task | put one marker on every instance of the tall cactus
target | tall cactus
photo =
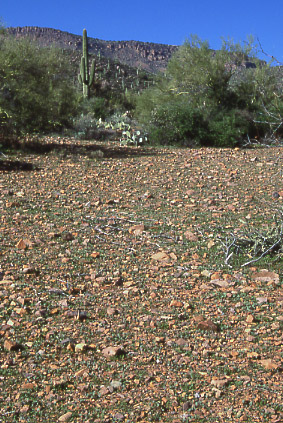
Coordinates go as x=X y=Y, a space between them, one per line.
x=85 y=78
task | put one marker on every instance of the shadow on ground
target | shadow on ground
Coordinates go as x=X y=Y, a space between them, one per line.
x=14 y=165
x=67 y=147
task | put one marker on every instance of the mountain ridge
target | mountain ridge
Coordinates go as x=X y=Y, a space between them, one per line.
x=151 y=57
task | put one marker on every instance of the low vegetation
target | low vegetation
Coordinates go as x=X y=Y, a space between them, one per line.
x=131 y=289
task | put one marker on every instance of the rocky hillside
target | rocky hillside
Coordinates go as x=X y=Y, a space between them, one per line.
x=151 y=57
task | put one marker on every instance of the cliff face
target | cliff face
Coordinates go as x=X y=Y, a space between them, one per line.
x=151 y=57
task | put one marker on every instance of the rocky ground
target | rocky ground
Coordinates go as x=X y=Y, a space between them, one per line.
x=119 y=298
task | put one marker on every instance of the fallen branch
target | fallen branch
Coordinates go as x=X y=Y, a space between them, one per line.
x=263 y=254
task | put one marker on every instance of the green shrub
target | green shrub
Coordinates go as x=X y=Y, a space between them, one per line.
x=94 y=106
x=227 y=129
x=37 y=93
x=85 y=127
x=210 y=97
x=177 y=123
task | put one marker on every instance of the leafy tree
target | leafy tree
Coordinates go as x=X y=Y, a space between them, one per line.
x=231 y=99
x=37 y=92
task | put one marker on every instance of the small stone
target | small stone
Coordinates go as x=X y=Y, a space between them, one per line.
x=81 y=315
x=29 y=270
x=28 y=385
x=112 y=311
x=253 y=355
x=266 y=276
x=208 y=325
x=22 y=301
x=250 y=318
x=160 y=339
x=65 y=417
x=275 y=195
x=21 y=245
x=220 y=283
x=136 y=229
x=160 y=256
x=63 y=303
x=120 y=417
x=198 y=318
x=83 y=387
x=68 y=236
x=113 y=351
x=181 y=342
x=186 y=406
x=24 y=409
x=190 y=236
x=104 y=390
x=12 y=346
x=101 y=280
x=82 y=373
x=116 y=384
x=215 y=275
x=82 y=347
x=206 y=273
x=269 y=364
x=261 y=300
x=56 y=291
x=176 y=303
x=219 y=383
x=70 y=313
x=41 y=312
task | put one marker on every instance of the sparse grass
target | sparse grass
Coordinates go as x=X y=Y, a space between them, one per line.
x=150 y=307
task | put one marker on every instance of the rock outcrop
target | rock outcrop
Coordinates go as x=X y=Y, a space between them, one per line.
x=151 y=57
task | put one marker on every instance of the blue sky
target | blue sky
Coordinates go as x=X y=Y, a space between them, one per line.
x=160 y=21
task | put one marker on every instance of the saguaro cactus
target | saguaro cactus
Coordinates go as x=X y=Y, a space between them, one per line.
x=86 y=78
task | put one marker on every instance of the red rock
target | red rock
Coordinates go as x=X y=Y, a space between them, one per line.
x=176 y=303
x=65 y=417
x=136 y=229
x=21 y=245
x=207 y=325
x=266 y=276
x=160 y=256
x=12 y=346
x=269 y=364
x=28 y=385
x=190 y=236
x=250 y=318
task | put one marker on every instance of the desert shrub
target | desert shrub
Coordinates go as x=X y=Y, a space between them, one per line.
x=94 y=106
x=177 y=122
x=211 y=96
x=227 y=129
x=85 y=126
x=37 y=93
